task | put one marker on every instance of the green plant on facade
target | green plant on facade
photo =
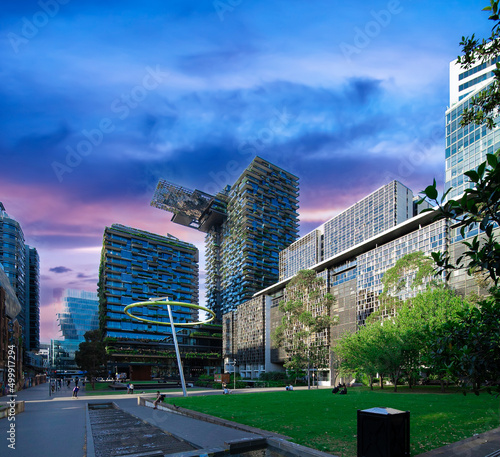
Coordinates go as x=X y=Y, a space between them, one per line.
x=412 y=271
x=304 y=332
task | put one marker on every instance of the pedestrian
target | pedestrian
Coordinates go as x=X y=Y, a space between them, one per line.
x=75 y=391
x=128 y=387
x=131 y=388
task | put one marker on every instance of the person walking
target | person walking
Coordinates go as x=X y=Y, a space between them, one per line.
x=75 y=391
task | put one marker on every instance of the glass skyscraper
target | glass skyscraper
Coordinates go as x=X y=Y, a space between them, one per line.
x=22 y=266
x=32 y=315
x=80 y=314
x=466 y=147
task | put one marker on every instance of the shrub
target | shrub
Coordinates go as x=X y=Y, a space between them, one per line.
x=273 y=376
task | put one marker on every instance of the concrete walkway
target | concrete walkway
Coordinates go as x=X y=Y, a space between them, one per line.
x=483 y=445
x=55 y=425
x=50 y=425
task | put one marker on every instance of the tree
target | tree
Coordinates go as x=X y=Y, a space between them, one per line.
x=91 y=355
x=402 y=343
x=304 y=332
x=359 y=353
x=419 y=319
x=470 y=346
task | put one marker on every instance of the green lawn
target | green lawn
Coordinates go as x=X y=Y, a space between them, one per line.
x=327 y=422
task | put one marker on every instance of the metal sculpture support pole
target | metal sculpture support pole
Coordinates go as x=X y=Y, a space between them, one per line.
x=174 y=336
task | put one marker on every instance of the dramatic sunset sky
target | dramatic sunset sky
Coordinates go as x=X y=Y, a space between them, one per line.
x=101 y=99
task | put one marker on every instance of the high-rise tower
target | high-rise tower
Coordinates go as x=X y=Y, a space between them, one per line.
x=466 y=147
x=137 y=265
x=32 y=315
x=22 y=266
x=247 y=225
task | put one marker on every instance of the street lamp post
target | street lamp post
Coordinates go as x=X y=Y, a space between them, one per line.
x=233 y=363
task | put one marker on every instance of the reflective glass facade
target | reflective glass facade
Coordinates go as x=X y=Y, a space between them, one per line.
x=379 y=211
x=80 y=314
x=13 y=258
x=21 y=264
x=466 y=147
x=138 y=265
x=300 y=255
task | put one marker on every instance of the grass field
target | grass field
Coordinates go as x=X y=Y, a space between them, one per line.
x=327 y=422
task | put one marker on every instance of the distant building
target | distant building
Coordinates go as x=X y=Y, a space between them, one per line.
x=247 y=225
x=10 y=331
x=32 y=314
x=80 y=314
x=22 y=266
x=13 y=258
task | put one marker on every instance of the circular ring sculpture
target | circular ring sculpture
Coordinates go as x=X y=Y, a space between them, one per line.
x=156 y=304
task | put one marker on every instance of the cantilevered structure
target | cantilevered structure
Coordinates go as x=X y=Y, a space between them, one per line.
x=247 y=225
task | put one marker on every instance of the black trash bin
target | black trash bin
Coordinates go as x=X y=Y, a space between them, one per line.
x=383 y=432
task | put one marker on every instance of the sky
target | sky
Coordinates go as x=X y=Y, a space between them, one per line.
x=99 y=100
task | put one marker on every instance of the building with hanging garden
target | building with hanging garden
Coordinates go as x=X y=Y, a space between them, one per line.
x=137 y=265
